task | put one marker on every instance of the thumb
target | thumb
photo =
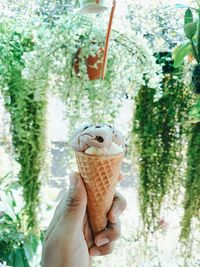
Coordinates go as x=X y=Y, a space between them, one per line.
x=75 y=205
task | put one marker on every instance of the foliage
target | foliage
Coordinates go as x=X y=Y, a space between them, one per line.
x=158 y=21
x=191 y=48
x=192 y=202
x=159 y=130
x=16 y=248
x=27 y=106
x=194 y=113
x=53 y=60
x=48 y=9
x=51 y=10
x=192 y=33
x=40 y=55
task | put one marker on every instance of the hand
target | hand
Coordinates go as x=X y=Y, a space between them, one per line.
x=68 y=241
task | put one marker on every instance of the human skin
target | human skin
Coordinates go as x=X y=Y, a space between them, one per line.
x=69 y=241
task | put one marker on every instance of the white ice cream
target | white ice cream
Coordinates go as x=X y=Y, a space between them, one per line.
x=98 y=139
x=112 y=150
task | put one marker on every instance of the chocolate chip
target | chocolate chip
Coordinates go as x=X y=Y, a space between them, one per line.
x=86 y=127
x=100 y=139
x=98 y=126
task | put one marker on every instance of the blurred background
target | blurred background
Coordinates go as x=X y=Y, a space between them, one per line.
x=49 y=86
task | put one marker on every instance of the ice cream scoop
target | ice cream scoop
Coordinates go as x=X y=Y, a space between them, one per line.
x=100 y=139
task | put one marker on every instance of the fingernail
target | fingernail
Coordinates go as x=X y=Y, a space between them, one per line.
x=102 y=242
x=73 y=180
x=95 y=252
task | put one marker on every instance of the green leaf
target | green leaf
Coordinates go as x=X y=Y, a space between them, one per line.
x=10 y=258
x=30 y=246
x=194 y=113
x=6 y=205
x=190 y=29
x=18 y=258
x=188 y=17
x=180 y=52
x=28 y=250
x=34 y=242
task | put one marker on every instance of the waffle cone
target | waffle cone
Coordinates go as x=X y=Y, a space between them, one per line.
x=100 y=175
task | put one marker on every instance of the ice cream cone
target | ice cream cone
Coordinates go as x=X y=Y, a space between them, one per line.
x=100 y=175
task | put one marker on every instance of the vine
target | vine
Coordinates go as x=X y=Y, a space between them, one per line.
x=159 y=129
x=27 y=107
x=30 y=65
x=192 y=201
x=54 y=56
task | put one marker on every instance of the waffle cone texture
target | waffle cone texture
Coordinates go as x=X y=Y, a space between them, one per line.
x=100 y=175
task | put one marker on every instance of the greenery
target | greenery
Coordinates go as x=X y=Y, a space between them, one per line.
x=40 y=56
x=40 y=45
x=53 y=59
x=16 y=248
x=161 y=23
x=192 y=203
x=192 y=46
x=194 y=113
x=27 y=107
x=158 y=124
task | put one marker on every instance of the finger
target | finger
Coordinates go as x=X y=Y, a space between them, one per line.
x=119 y=205
x=101 y=251
x=110 y=234
x=87 y=232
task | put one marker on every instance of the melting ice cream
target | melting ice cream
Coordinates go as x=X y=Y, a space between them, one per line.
x=100 y=139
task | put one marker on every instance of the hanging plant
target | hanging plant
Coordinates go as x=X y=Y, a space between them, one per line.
x=94 y=64
x=86 y=99
x=192 y=200
x=27 y=107
x=158 y=126
x=192 y=48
